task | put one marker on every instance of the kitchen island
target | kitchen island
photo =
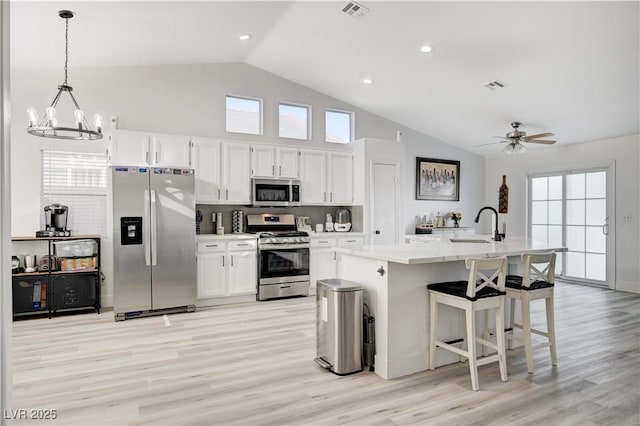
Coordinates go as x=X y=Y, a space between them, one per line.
x=395 y=277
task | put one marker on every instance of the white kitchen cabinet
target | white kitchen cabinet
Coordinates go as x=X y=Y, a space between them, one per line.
x=242 y=272
x=322 y=262
x=222 y=172
x=340 y=177
x=226 y=267
x=170 y=151
x=270 y=161
x=313 y=176
x=127 y=148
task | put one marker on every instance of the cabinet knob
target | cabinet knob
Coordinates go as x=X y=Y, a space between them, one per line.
x=377 y=232
x=381 y=271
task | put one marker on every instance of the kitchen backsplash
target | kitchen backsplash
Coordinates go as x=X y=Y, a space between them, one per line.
x=316 y=213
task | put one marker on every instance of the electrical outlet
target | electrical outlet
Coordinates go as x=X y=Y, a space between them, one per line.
x=626 y=218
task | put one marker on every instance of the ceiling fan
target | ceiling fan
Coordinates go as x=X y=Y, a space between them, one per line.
x=515 y=139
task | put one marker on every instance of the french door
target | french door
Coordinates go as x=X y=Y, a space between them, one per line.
x=572 y=208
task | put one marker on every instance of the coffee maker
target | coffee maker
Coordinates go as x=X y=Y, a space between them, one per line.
x=55 y=216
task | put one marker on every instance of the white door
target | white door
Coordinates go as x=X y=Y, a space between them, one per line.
x=236 y=174
x=211 y=275
x=384 y=203
x=322 y=264
x=242 y=272
x=263 y=161
x=340 y=178
x=128 y=149
x=170 y=151
x=287 y=162
x=206 y=162
x=313 y=177
x=573 y=208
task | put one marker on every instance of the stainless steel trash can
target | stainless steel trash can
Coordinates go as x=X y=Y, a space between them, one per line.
x=339 y=326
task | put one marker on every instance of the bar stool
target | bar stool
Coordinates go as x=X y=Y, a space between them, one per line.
x=536 y=283
x=478 y=293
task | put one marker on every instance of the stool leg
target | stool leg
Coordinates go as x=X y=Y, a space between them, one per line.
x=551 y=329
x=512 y=319
x=433 y=318
x=526 y=331
x=500 y=340
x=471 y=339
x=485 y=331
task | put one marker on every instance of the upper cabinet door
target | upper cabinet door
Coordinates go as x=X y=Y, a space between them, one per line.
x=340 y=177
x=206 y=162
x=313 y=177
x=128 y=149
x=263 y=161
x=170 y=151
x=236 y=173
x=287 y=162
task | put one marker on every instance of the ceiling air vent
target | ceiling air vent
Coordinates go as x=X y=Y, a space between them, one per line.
x=495 y=84
x=354 y=9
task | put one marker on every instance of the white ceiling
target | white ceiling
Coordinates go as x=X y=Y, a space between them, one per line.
x=571 y=68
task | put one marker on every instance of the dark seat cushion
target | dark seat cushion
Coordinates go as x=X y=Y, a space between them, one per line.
x=515 y=282
x=459 y=289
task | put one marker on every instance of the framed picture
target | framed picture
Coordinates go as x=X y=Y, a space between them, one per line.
x=437 y=179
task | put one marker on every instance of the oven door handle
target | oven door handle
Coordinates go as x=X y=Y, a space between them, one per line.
x=282 y=246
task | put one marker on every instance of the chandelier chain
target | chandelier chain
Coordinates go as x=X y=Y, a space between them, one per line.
x=66 y=50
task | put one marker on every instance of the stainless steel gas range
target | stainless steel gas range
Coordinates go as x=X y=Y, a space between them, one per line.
x=283 y=256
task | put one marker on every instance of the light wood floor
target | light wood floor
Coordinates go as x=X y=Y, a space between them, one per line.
x=252 y=364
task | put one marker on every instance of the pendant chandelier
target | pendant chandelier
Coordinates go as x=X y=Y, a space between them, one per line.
x=47 y=126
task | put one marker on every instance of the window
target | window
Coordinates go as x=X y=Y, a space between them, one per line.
x=244 y=115
x=294 y=121
x=338 y=126
x=79 y=181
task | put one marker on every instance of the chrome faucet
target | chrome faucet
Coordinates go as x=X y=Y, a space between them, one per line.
x=497 y=236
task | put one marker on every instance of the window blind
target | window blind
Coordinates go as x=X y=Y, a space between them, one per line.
x=77 y=180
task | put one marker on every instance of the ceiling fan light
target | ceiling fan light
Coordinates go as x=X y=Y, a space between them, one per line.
x=519 y=149
x=509 y=149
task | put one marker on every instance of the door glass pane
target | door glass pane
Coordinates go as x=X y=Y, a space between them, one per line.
x=539 y=212
x=555 y=188
x=575 y=212
x=555 y=212
x=596 y=185
x=596 y=240
x=596 y=212
x=575 y=186
x=539 y=233
x=596 y=267
x=539 y=188
x=575 y=238
x=555 y=235
x=575 y=264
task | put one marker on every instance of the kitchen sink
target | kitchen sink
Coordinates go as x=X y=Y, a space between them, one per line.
x=467 y=240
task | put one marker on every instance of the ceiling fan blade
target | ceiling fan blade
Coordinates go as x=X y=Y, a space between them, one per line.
x=538 y=136
x=490 y=143
x=542 y=141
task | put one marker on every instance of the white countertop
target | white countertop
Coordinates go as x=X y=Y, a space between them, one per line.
x=446 y=251
x=209 y=237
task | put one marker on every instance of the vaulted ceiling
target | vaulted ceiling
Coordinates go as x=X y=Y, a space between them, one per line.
x=571 y=68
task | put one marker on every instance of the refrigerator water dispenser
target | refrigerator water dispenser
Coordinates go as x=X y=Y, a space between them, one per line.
x=130 y=231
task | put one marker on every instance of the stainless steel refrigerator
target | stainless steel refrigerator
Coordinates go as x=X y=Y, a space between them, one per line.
x=153 y=212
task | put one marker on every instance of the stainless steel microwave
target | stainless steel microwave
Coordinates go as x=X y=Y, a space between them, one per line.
x=275 y=192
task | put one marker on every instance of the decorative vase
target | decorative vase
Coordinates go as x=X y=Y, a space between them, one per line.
x=455 y=224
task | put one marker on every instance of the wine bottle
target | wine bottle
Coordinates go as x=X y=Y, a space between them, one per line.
x=503 y=196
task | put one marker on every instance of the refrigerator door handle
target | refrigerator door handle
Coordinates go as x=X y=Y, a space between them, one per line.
x=147 y=243
x=154 y=229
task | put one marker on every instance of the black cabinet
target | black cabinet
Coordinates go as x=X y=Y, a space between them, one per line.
x=73 y=284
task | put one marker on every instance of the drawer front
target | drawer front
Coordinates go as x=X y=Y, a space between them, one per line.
x=210 y=246
x=355 y=241
x=323 y=242
x=242 y=245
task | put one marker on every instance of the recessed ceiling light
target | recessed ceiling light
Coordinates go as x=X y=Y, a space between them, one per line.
x=367 y=81
x=426 y=49
x=245 y=37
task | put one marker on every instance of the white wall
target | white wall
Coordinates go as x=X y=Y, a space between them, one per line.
x=190 y=100
x=624 y=151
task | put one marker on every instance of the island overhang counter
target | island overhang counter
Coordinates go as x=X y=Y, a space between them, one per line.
x=394 y=278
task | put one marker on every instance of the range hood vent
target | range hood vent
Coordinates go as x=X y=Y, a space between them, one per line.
x=355 y=10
